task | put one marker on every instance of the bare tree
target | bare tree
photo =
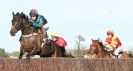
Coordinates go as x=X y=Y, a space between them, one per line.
x=80 y=39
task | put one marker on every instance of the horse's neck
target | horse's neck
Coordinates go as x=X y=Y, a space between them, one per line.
x=27 y=30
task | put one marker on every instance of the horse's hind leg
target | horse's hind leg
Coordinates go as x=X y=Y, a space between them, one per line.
x=57 y=52
x=54 y=54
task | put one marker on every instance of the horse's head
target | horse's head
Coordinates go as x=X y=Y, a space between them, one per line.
x=17 y=22
x=95 y=47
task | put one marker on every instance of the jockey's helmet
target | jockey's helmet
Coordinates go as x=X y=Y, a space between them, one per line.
x=110 y=32
x=55 y=34
x=33 y=13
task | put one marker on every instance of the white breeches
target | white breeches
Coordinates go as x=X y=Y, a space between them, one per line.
x=119 y=49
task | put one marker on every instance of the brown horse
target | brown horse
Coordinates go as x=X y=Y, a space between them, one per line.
x=31 y=41
x=50 y=49
x=97 y=47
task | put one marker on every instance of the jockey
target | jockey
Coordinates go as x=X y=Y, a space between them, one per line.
x=113 y=43
x=37 y=21
x=60 y=42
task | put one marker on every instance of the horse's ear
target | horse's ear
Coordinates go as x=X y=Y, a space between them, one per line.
x=22 y=12
x=99 y=39
x=92 y=39
x=13 y=13
x=17 y=13
x=46 y=28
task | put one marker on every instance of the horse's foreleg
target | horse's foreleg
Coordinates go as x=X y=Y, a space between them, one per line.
x=111 y=55
x=27 y=56
x=21 y=53
x=30 y=53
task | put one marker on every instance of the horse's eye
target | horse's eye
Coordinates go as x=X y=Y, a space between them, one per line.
x=12 y=22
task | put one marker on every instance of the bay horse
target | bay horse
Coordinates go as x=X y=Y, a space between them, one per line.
x=31 y=41
x=97 y=47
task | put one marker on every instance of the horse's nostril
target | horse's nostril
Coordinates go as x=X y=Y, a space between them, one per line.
x=12 y=34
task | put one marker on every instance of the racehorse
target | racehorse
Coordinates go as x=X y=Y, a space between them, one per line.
x=30 y=40
x=97 y=47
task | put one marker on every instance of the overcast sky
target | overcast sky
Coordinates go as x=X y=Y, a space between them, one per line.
x=90 y=18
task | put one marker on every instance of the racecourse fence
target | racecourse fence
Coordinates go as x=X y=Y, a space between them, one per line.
x=66 y=64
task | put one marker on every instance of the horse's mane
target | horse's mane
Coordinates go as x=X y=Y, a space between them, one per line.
x=17 y=14
x=100 y=43
x=22 y=15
